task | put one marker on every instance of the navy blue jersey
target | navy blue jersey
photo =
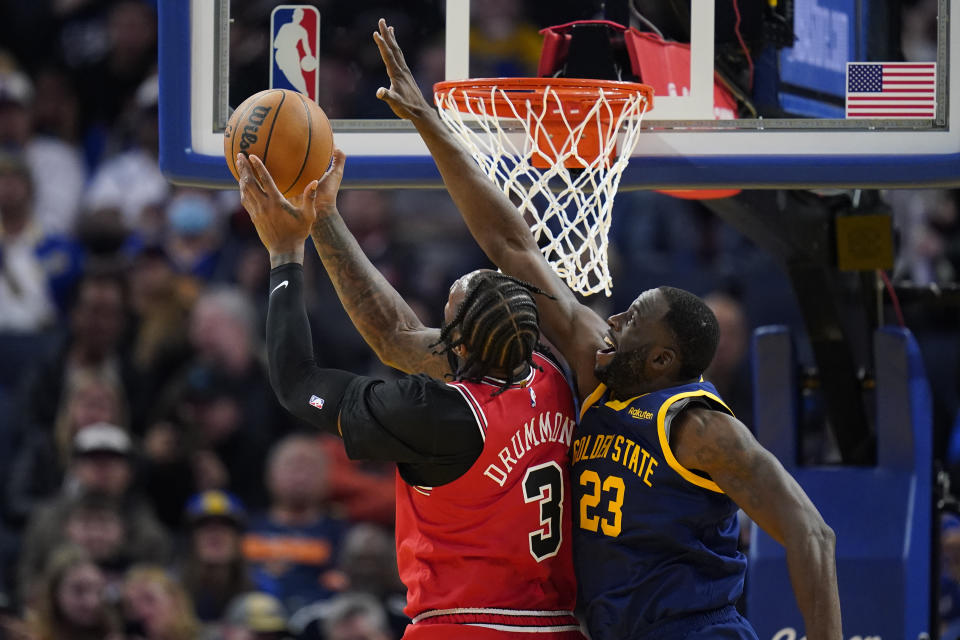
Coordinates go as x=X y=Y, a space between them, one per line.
x=653 y=541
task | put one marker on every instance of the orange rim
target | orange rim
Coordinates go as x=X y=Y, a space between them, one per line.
x=509 y=94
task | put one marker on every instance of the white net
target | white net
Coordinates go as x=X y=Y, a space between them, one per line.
x=567 y=199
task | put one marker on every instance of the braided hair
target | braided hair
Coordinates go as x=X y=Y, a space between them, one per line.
x=498 y=323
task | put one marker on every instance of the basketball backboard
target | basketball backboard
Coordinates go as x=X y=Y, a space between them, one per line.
x=801 y=131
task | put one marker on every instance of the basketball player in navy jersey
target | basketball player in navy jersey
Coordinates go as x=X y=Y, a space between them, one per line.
x=483 y=493
x=660 y=465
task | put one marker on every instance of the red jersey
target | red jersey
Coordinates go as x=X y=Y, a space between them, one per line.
x=491 y=550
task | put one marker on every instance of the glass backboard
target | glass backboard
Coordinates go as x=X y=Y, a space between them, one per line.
x=750 y=93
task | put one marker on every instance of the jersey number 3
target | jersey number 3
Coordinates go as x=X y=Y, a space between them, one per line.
x=544 y=484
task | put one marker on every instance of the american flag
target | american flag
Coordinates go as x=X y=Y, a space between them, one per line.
x=891 y=89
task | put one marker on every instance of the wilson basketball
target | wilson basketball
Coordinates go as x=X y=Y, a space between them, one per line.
x=287 y=131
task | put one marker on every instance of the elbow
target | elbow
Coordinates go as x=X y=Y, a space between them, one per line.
x=281 y=391
x=516 y=244
x=819 y=536
x=810 y=535
x=827 y=537
x=284 y=382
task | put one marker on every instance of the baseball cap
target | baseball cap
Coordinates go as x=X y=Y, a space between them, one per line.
x=102 y=437
x=215 y=504
x=16 y=88
x=257 y=612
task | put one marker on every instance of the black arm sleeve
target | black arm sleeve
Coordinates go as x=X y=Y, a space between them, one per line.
x=421 y=423
x=424 y=425
x=305 y=390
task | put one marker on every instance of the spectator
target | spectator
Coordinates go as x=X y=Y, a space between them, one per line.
x=157 y=607
x=101 y=465
x=36 y=269
x=12 y=626
x=949 y=577
x=730 y=370
x=132 y=181
x=97 y=321
x=919 y=215
x=215 y=570
x=225 y=338
x=72 y=604
x=112 y=79
x=160 y=300
x=38 y=469
x=227 y=449
x=368 y=562
x=204 y=439
x=95 y=523
x=193 y=235
x=294 y=543
x=255 y=616
x=355 y=616
x=56 y=203
x=56 y=109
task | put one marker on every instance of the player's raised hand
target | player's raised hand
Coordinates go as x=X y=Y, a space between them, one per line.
x=283 y=225
x=403 y=96
x=325 y=202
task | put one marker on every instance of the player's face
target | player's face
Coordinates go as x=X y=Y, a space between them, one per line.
x=635 y=336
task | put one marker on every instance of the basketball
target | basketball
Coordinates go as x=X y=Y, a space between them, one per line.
x=287 y=131
x=309 y=63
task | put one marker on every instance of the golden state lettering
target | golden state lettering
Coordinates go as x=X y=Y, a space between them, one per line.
x=544 y=428
x=640 y=414
x=257 y=115
x=618 y=449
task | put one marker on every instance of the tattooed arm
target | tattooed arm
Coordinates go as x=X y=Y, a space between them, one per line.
x=383 y=318
x=753 y=478
x=385 y=321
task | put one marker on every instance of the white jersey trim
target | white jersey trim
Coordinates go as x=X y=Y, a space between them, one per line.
x=553 y=364
x=498 y=382
x=478 y=414
x=497 y=612
x=519 y=629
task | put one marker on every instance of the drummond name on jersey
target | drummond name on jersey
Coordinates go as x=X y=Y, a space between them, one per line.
x=541 y=429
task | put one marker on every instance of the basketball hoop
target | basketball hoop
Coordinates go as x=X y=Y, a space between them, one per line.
x=560 y=143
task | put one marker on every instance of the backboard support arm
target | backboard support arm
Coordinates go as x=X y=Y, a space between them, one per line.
x=797 y=228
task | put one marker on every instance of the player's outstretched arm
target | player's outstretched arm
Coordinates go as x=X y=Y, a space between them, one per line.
x=384 y=319
x=380 y=314
x=752 y=477
x=492 y=219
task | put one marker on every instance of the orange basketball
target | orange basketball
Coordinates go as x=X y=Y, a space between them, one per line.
x=285 y=129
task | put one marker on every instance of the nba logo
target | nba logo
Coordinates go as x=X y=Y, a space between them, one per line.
x=295 y=45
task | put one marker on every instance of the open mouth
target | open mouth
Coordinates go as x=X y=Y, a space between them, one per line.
x=605 y=356
x=611 y=345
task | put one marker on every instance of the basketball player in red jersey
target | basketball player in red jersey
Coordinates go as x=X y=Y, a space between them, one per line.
x=483 y=495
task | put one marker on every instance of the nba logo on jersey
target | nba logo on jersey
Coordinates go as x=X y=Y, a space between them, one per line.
x=295 y=30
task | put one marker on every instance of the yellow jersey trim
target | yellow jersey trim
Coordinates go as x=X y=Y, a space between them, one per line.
x=685 y=473
x=592 y=398
x=620 y=405
x=616 y=405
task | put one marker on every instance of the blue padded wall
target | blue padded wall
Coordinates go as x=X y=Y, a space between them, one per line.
x=881 y=515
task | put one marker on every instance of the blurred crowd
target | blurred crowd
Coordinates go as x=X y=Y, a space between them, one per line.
x=152 y=487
